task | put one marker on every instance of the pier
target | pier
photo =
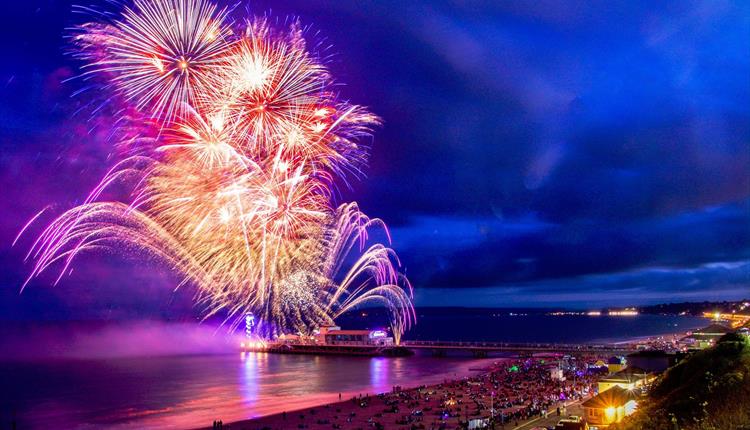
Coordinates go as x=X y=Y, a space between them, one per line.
x=322 y=349
x=438 y=348
x=481 y=349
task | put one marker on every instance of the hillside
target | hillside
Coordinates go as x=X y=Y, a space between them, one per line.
x=708 y=390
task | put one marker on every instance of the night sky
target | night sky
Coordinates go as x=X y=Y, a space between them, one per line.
x=541 y=153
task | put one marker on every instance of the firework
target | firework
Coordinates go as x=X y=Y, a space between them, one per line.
x=235 y=192
x=161 y=54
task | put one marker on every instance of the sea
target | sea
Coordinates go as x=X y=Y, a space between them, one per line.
x=162 y=375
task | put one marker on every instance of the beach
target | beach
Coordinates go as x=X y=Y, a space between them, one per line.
x=512 y=391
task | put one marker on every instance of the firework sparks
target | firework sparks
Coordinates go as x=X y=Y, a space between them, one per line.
x=161 y=54
x=235 y=192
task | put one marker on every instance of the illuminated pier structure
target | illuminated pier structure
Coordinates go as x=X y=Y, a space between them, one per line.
x=333 y=340
x=364 y=342
x=482 y=349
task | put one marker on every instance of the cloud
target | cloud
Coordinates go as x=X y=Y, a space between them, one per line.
x=480 y=252
x=712 y=281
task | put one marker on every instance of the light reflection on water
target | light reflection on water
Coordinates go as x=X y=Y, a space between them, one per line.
x=192 y=391
x=378 y=375
x=250 y=378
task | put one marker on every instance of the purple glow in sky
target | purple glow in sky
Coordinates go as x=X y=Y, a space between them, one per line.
x=531 y=155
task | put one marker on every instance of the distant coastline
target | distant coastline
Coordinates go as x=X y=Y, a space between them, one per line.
x=679 y=308
x=530 y=325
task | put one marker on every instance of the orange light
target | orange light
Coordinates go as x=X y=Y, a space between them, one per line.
x=610 y=412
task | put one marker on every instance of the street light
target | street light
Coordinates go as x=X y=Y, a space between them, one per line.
x=492 y=405
x=609 y=412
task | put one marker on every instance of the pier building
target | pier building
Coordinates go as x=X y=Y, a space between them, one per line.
x=333 y=335
x=609 y=407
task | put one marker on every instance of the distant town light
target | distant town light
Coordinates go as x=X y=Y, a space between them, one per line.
x=624 y=313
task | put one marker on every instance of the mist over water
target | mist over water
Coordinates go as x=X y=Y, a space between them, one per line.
x=94 y=340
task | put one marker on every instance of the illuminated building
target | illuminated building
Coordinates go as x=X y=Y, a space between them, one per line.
x=706 y=336
x=629 y=379
x=609 y=407
x=333 y=335
x=615 y=364
x=598 y=364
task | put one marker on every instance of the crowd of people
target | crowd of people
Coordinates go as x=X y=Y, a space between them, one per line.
x=510 y=392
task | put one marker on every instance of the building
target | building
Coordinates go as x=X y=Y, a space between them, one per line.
x=333 y=335
x=599 y=367
x=615 y=364
x=290 y=338
x=609 y=407
x=629 y=378
x=706 y=336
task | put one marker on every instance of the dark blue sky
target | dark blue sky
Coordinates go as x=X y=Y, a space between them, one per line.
x=532 y=153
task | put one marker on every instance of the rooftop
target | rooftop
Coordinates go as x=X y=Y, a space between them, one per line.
x=630 y=373
x=615 y=396
x=711 y=332
x=713 y=329
x=349 y=332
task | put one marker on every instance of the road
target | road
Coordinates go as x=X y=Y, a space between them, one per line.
x=552 y=419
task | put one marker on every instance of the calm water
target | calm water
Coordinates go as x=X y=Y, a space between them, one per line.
x=487 y=325
x=192 y=390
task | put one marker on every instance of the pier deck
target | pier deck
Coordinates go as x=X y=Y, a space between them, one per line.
x=518 y=347
x=479 y=349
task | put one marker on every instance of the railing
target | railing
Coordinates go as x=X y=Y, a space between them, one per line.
x=511 y=345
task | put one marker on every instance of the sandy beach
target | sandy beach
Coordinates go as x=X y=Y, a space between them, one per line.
x=512 y=391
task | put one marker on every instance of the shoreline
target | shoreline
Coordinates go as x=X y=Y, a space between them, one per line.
x=444 y=405
x=323 y=411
